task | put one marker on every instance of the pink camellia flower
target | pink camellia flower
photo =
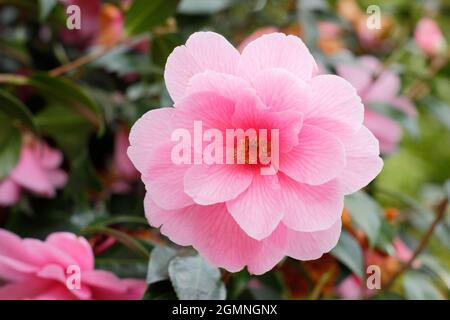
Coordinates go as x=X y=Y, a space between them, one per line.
x=37 y=171
x=234 y=215
x=428 y=37
x=46 y=270
x=376 y=85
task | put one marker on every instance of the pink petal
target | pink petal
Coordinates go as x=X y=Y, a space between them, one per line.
x=31 y=175
x=147 y=134
x=404 y=104
x=276 y=50
x=335 y=99
x=383 y=89
x=359 y=76
x=257 y=210
x=213 y=232
x=319 y=157
x=203 y=51
x=280 y=90
x=9 y=192
x=310 y=208
x=255 y=35
x=312 y=245
x=77 y=247
x=163 y=179
x=387 y=131
x=225 y=85
x=209 y=184
x=212 y=109
x=107 y=286
x=363 y=162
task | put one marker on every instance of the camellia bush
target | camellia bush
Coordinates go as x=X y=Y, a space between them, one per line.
x=193 y=149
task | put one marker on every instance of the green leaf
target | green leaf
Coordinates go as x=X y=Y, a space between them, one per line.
x=349 y=253
x=66 y=126
x=194 y=279
x=366 y=213
x=418 y=286
x=195 y=7
x=143 y=15
x=15 y=109
x=10 y=142
x=45 y=8
x=162 y=46
x=67 y=93
x=159 y=264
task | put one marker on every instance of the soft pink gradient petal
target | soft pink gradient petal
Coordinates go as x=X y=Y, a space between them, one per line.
x=35 y=269
x=223 y=84
x=280 y=90
x=356 y=74
x=29 y=174
x=319 y=157
x=363 y=161
x=203 y=51
x=312 y=245
x=255 y=35
x=164 y=180
x=147 y=134
x=9 y=192
x=210 y=184
x=276 y=50
x=336 y=99
x=383 y=89
x=257 y=210
x=78 y=247
x=213 y=232
x=310 y=208
x=385 y=129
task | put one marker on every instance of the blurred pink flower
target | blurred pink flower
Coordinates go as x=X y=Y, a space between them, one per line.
x=124 y=169
x=35 y=269
x=90 y=13
x=230 y=213
x=377 y=85
x=428 y=36
x=37 y=171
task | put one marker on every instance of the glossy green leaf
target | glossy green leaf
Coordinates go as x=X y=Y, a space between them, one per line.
x=418 y=286
x=10 y=142
x=15 y=109
x=159 y=264
x=349 y=253
x=65 y=92
x=365 y=213
x=194 y=279
x=143 y=15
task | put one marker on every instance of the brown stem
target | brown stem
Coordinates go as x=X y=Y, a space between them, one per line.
x=440 y=212
x=82 y=60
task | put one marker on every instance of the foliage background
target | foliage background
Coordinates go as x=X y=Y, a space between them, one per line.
x=81 y=109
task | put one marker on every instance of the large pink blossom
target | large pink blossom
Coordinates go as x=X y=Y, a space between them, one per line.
x=377 y=85
x=428 y=36
x=34 y=269
x=38 y=171
x=231 y=214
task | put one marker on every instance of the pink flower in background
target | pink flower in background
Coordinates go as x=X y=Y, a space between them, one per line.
x=124 y=169
x=376 y=85
x=36 y=171
x=230 y=213
x=90 y=13
x=428 y=37
x=35 y=269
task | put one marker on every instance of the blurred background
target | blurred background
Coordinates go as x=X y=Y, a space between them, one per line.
x=72 y=86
